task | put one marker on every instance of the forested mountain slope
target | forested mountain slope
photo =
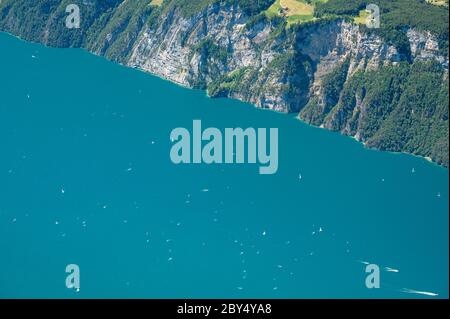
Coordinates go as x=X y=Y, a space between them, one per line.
x=386 y=87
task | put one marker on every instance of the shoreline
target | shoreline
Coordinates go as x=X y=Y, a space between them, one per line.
x=139 y=69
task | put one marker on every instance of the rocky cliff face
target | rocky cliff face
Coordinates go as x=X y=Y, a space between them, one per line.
x=345 y=46
x=195 y=51
x=309 y=70
x=358 y=90
x=200 y=50
x=424 y=46
x=332 y=73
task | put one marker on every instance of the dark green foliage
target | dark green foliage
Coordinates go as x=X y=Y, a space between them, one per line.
x=210 y=50
x=192 y=7
x=226 y=85
x=45 y=20
x=418 y=123
x=299 y=72
x=340 y=7
x=276 y=21
x=315 y=111
x=397 y=108
x=12 y=15
x=188 y=7
x=402 y=108
x=120 y=31
x=213 y=59
x=378 y=92
x=334 y=82
x=253 y=7
x=295 y=71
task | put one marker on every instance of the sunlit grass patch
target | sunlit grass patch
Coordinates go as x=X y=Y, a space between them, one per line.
x=295 y=11
x=362 y=17
x=274 y=9
x=443 y=3
x=156 y=3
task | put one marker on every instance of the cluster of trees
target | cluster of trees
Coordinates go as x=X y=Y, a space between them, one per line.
x=51 y=15
x=253 y=7
x=315 y=111
x=418 y=123
x=190 y=7
x=397 y=108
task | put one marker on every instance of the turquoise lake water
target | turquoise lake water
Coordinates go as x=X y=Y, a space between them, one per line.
x=86 y=179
